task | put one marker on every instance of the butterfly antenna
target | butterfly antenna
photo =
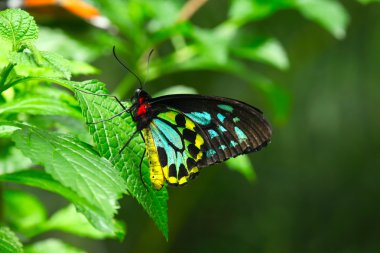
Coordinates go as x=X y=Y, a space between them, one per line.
x=147 y=68
x=125 y=66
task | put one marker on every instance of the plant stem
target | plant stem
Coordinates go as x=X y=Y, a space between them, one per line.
x=4 y=75
x=189 y=9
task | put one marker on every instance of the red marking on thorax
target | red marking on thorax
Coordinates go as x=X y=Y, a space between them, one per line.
x=141 y=110
x=143 y=106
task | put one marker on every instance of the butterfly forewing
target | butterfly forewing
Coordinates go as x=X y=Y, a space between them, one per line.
x=228 y=127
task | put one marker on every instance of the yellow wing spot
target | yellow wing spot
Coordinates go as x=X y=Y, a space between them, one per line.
x=199 y=156
x=182 y=181
x=199 y=141
x=194 y=170
x=172 y=180
x=166 y=171
x=189 y=124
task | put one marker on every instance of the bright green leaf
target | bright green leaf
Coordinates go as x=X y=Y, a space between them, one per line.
x=18 y=27
x=57 y=40
x=23 y=210
x=52 y=245
x=7 y=131
x=39 y=106
x=264 y=50
x=110 y=136
x=44 y=181
x=328 y=13
x=9 y=243
x=41 y=64
x=69 y=220
x=214 y=44
x=76 y=166
x=82 y=68
x=243 y=11
x=243 y=165
x=12 y=160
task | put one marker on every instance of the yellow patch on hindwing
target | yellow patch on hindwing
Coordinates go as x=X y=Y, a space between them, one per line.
x=189 y=124
x=156 y=171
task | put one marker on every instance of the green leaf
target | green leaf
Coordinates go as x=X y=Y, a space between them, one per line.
x=7 y=131
x=77 y=167
x=40 y=64
x=328 y=13
x=70 y=221
x=243 y=11
x=44 y=181
x=9 y=243
x=39 y=106
x=243 y=165
x=214 y=44
x=52 y=245
x=368 y=1
x=82 y=68
x=12 y=160
x=57 y=40
x=110 y=136
x=18 y=27
x=177 y=89
x=23 y=210
x=264 y=50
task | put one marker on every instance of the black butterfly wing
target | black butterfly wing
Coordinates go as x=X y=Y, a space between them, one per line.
x=229 y=127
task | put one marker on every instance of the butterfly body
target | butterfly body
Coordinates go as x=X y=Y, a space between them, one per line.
x=184 y=133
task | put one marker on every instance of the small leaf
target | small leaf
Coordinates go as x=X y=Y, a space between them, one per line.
x=82 y=68
x=329 y=14
x=9 y=243
x=214 y=44
x=76 y=166
x=45 y=64
x=110 y=136
x=23 y=210
x=18 y=27
x=243 y=11
x=265 y=50
x=243 y=165
x=70 y=221
x=7 y=131
x=52 y=245
x=12 y=160
x=39 y=106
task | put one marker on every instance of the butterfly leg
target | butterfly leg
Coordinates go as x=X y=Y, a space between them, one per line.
x=114 y=116
x=107 y=95
x=125 y=145
x=140 y=168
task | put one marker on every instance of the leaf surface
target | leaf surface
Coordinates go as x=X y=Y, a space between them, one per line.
x=9 y=243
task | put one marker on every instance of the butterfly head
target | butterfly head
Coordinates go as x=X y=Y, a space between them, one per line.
x=140 y=96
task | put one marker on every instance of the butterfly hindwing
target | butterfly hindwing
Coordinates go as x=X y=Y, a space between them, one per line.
x=174 y=148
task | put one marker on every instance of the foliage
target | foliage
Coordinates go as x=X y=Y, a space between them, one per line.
x=44 y=142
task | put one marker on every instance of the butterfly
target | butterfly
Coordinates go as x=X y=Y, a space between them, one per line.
x=186 y=132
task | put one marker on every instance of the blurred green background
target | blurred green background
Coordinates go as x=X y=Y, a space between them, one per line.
x=316 y=186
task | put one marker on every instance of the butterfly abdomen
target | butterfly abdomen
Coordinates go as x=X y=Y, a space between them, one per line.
x=156 y=171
